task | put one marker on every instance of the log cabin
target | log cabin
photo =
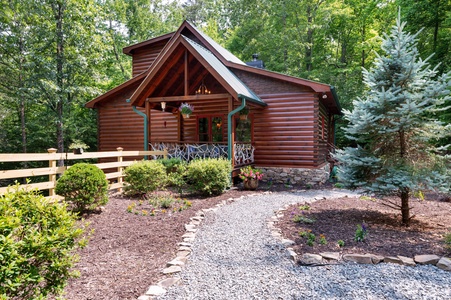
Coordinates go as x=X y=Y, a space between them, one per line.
x=242 y=112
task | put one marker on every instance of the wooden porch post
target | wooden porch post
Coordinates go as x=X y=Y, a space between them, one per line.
x=149 y=122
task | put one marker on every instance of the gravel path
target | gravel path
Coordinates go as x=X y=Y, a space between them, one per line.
x=235 y=257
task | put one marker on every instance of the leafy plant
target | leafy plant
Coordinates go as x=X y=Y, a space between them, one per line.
x=176 y=172
x=340 y=243
x=209 y=176
x=144 y=176
x=244 y=111
x=304 y=207
x=303 y=219
x=77 y=144
x=447 y=240
x=322 y=239
x=37 y=240
x=248 y=172
x=311 y=239
x=84 y=185
x=360 y=233
x=186 y=109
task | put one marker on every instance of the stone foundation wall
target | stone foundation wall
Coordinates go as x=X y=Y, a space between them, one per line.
x=296 y=175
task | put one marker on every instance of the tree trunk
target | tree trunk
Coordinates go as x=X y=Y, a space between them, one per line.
x=405 y=208
x=309 y=44
x=59 y=13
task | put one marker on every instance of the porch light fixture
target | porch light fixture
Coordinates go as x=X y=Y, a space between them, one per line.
x=163 y=105
x=324 y=95
x=203 y=89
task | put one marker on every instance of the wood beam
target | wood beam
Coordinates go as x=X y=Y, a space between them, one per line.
x=187 y=98
x=185 y=92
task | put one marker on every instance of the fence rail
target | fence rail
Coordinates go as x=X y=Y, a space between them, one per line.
x=52 y=170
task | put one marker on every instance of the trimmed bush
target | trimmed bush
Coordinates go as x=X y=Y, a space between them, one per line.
x=84 y=185
x=176 y=171
x=209 y=176
x=144 y=176
x=447 y=240
x=37 y=240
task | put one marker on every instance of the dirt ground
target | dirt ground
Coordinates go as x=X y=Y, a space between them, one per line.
x=129 y=246
x=338 y=219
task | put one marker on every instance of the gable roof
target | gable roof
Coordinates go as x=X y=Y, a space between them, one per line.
x=220 y=61
x=217 y=69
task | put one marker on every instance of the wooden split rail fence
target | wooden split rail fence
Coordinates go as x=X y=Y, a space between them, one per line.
x=116 y=177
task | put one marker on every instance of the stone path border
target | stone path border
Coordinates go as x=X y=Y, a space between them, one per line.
x=175 y=266
x=326 y=258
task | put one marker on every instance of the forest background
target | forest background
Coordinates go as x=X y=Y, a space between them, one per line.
x=56 y=55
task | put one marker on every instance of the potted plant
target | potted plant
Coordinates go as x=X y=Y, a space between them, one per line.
x=78 y=146
x=243 y=113
x=186 y=110
x=250 y=177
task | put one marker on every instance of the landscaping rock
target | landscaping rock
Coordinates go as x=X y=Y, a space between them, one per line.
x=183 y=253
x=376 y=259
x=172 y=270
x=427 y=259
x=176 y=262
x=444 y=263
x=331 y=255
x=168 y=282
x=189 y=227
x=155 y=290
x=393 y=260
x=189 y=235
x=144 y=297
x=287 y=242
x=291 y=254
x=310 y=259
x=359 y=258
x=407 y=261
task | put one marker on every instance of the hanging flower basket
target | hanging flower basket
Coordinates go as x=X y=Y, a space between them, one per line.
x=243 y=117
x=243 y=113
x=186 y=110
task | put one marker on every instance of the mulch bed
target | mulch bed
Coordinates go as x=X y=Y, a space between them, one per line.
x=129 y=247
x=337 y=219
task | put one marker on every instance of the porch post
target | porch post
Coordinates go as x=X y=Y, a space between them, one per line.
x=230 y=135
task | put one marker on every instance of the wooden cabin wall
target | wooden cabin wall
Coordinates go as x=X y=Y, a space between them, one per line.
x=323 y=133
x=118 y=125
x=163 y=126
x=143 y=58
x=285 y=131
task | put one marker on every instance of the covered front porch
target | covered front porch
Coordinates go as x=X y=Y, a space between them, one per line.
x=242 y=153
x=189 y=74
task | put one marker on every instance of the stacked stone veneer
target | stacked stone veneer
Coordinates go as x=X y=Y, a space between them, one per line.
x=297 y=175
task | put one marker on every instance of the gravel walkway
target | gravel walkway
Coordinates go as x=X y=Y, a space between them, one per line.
x=235 y=257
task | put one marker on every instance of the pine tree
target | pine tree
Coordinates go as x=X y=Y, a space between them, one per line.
x=395 y=126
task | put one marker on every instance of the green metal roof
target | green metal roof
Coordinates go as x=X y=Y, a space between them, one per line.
x=234 y=82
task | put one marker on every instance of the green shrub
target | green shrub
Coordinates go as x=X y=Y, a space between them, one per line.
x=176 y=172
x=144 y=176
x=37 y=240
x=84 y=185
x=447 y=240
x=209 y=176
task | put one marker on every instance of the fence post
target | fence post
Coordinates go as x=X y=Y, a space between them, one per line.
x=52 y=177
x=120 y=169
x=165 y=155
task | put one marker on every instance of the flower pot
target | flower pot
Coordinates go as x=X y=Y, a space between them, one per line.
x=185 y=116
x=243 y=117
x=251 y=184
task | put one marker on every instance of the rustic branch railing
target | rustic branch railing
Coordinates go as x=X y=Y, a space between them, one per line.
x=243 y=153
x=52 y=171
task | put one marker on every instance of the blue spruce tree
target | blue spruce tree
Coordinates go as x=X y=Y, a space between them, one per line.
x=395 y=126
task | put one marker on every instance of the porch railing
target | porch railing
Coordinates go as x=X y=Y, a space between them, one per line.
x=243 y=152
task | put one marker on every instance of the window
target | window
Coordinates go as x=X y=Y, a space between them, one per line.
x=210 y=129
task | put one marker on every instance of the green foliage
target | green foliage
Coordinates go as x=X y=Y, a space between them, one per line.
x=84 y=185
x=447 y=240
x=37 y=240
x=340 y=243
x=395 y=125
x=360 y=233
x=303 y=219
x=144 y=176
x=176 y=172
x=209 y=176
